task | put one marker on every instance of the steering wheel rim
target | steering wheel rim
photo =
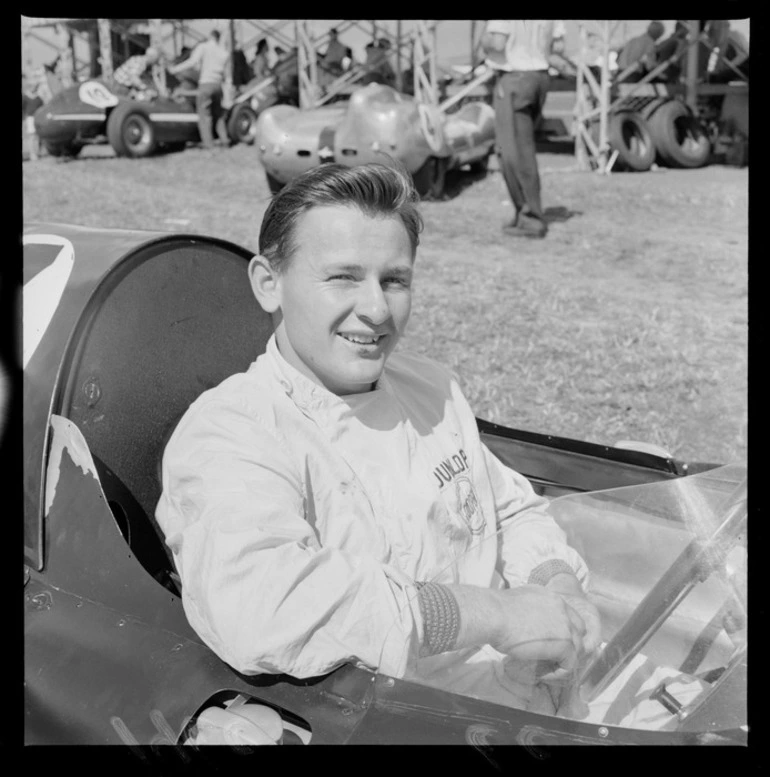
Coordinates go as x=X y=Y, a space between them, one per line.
x=695 y=563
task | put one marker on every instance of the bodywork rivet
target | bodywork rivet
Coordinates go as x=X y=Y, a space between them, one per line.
x=92 y=391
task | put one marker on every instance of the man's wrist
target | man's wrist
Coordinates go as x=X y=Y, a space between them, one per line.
x=543 y=573
x=440 y=616
x=565 y=583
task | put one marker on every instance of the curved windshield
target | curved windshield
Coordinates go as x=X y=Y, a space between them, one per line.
x=667 y=573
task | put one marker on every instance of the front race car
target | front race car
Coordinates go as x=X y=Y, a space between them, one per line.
x=122 y=331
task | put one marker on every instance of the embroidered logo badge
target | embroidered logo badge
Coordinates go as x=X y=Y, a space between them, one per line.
x=468 y=507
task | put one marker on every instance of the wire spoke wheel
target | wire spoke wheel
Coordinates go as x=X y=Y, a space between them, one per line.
x=138 y=133
x=130 y=131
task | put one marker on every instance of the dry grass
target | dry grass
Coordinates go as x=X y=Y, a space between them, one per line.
x=628 y=322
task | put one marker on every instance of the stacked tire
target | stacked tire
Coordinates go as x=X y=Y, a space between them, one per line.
x=665 y=131
x=680 y=138
x=629 y=135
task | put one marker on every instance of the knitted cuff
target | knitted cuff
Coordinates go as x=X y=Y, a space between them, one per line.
x=542 y=573
x=440 y=617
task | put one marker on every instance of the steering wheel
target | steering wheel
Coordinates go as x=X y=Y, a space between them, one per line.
x=696 y=562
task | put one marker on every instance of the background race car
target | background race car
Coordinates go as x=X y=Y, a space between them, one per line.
x=137 y=127
x=376 y=124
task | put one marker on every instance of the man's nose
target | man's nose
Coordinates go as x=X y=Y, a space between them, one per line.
x=372 y=303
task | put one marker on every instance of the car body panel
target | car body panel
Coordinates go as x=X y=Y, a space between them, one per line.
x=144 y=323
x=377 y=123
x=44 y=245
x=79 y=114
x=67 y=118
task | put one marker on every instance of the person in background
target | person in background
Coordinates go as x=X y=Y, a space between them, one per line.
x=131 y=76
x=213 y=60
x=641 y=51
x=260 y=67
x=241 y=69
x=31 y=100
x=286 y=73
x=334 y=55
x=348 y=61
x=520 y=52
x=729 y=46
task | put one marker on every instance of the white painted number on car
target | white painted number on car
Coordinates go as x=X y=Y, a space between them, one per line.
x=42 y=293
x=96 y=94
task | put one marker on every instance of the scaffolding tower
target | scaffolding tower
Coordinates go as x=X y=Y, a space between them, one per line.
x=597 y=98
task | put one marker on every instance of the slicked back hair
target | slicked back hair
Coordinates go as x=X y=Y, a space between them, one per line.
x=377 y=190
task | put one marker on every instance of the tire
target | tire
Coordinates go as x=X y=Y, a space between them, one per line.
x=62 y=149
x=681 y=140
x=131 y=132
x=629 y=135
x=242 y=124
x=273 y=184
x=480 y=166
x=430 y=179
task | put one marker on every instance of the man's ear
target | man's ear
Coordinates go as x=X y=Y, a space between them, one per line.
x=264 y=284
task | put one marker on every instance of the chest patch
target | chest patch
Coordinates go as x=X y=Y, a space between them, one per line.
x=450 y=468
x=467 y=505
x=454 y=482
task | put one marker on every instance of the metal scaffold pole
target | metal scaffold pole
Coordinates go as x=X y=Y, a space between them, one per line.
x=105 y=48
x=308 y=66
x=156 y=40
x=424 y=65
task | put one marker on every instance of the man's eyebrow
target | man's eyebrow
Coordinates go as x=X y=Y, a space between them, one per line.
x=401 y=269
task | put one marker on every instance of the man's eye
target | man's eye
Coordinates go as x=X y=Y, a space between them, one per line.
x=398 y=282
x=341 y=277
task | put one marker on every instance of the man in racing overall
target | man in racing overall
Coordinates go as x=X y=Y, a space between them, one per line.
x=519 y=51
x=335 y=503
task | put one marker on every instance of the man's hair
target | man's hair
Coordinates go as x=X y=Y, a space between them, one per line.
x=655 y=29
x=215 y=34
x=377 y=190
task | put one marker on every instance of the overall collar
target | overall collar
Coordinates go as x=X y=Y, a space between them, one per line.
x=311 y=397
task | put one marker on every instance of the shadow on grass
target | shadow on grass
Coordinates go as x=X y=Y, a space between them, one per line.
x=459 y=180
x=555 y=146
x=559 y=213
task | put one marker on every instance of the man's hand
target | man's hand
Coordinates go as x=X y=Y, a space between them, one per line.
x=542 y=631
x=529 y=623
x=568 y=586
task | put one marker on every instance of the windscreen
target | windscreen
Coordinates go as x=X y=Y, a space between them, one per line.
x=667 y=573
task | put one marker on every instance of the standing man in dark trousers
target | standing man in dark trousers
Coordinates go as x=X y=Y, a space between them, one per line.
x=519 y=50
x=213 y=60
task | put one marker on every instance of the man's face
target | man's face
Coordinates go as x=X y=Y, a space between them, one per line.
x=345 y=296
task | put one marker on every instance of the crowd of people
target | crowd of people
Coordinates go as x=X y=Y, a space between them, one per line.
x=722 y=56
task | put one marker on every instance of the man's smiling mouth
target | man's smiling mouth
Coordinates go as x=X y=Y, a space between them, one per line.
x=361 y=339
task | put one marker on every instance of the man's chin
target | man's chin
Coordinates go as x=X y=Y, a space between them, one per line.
x=359 y=382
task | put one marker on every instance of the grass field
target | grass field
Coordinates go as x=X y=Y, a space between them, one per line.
x=628 y=322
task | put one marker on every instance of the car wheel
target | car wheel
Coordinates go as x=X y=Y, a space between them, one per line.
x=273 y=184
x=62 y=149
x=480 y=166
x=131 y=132
x=430 y=179
x=681 y=140
x=242 y=124
x=629 y=135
